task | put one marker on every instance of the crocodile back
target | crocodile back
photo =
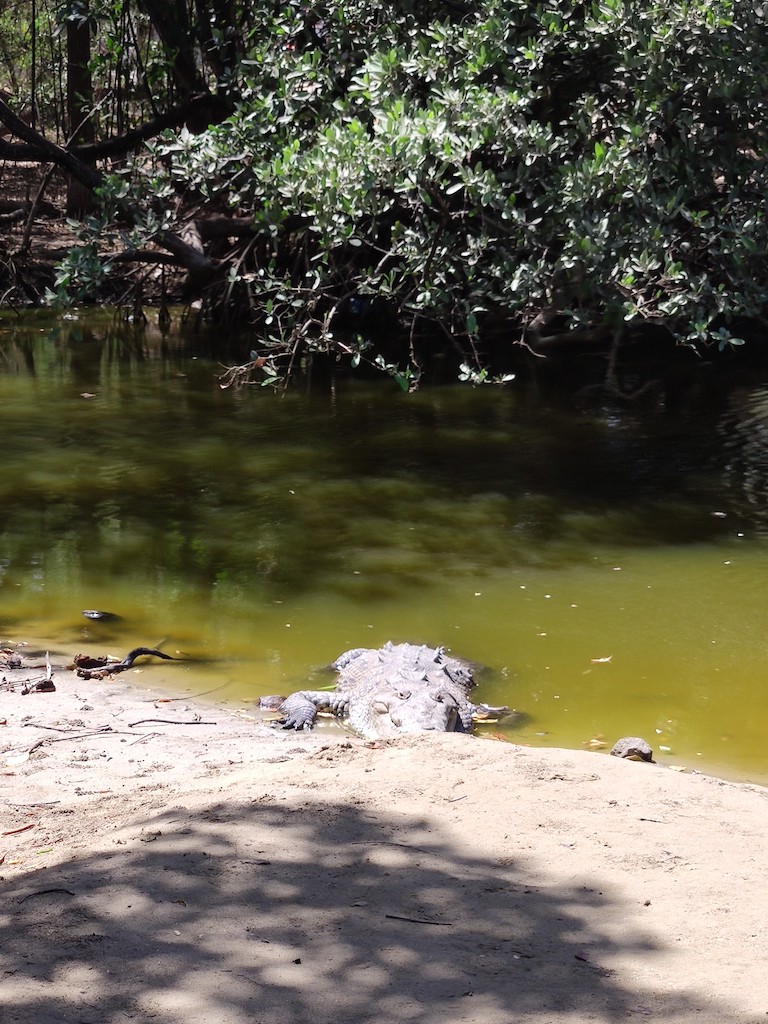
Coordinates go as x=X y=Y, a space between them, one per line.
x=403 y=688
x=364 y=671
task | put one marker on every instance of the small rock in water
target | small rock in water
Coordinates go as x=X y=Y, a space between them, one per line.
x=633 y=748
x=96 y=616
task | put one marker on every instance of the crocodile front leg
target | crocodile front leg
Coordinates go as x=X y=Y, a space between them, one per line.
x=299 y=709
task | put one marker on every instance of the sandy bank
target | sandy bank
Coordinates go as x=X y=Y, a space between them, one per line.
x=221 y=872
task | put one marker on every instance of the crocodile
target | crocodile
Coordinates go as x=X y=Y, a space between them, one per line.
x=397 y=688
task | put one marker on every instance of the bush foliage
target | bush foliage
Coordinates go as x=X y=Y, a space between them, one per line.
x=477 y=175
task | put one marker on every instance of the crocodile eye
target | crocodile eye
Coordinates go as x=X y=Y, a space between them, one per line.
x=403 y=694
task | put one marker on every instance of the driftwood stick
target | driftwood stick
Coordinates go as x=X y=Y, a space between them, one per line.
x=111 y=667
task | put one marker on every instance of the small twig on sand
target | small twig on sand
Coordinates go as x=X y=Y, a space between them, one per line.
x=41 y=803
x=418 y=920
x=170 y=721
x=43 y=892
x=53 y=728
x=24 y=828
x=143 y=737
x=188 y=696
x=71 y=734
x=105 y=730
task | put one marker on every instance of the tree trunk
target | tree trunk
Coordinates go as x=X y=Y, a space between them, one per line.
x=80 y=199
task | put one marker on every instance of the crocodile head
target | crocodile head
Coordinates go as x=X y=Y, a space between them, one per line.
x=397 y=711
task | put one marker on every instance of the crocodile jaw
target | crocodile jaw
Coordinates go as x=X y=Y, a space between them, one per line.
x=388 y=716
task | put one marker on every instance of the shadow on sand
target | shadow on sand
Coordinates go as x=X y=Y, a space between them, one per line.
x=257 y=913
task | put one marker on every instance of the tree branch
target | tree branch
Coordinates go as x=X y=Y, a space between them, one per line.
x=199 y=266
x=215 y=107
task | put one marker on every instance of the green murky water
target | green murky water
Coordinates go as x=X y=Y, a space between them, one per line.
x=608 y=568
